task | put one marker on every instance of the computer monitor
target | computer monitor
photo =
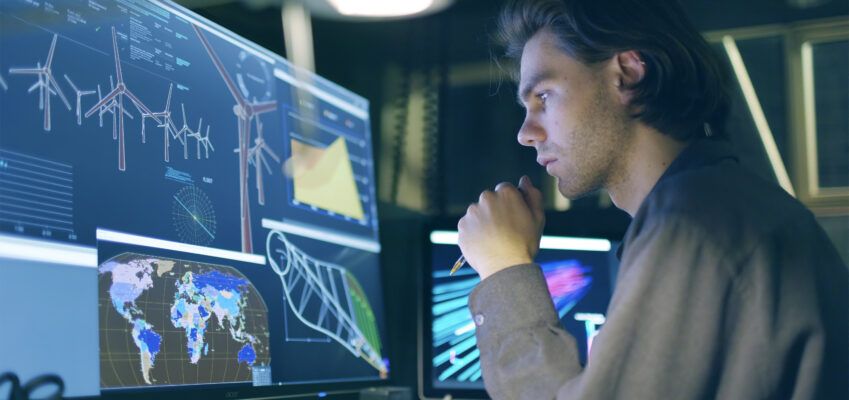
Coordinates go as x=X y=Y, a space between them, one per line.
x=580 y=273
x=181 y=211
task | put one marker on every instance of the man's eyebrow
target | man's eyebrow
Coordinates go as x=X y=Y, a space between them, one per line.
x=531 y=83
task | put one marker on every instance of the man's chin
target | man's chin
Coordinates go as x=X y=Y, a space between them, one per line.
x=575 y=193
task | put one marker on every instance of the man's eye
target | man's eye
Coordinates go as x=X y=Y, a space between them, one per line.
x=542 y=97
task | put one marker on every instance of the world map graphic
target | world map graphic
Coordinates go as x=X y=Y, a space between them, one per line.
x=173 y=322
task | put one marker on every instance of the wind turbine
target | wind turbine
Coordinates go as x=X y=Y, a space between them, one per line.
x=45 y=83
x=167 y=125
x=257 y=157
x=185 y=133
x=207 y=144
x=80 y=94
x=245 y=112
x=3 y=83
x=199 y=138
x=118 y=93
x=110 y=108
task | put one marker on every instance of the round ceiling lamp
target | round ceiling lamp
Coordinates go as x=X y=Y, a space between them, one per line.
x=369 y=10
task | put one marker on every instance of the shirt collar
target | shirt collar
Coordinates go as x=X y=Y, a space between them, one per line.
x=700 y=153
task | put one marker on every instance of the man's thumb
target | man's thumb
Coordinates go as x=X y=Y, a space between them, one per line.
x=533 y=197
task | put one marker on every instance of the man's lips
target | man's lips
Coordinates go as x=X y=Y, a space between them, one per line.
x=543 y=161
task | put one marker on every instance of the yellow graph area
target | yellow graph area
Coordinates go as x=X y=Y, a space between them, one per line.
x=324 y=178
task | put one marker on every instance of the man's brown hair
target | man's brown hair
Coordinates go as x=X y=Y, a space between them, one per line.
x=685 y=85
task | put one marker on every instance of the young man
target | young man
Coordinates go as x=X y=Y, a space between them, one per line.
x=728 y=288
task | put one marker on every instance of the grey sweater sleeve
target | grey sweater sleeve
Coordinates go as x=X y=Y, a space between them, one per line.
x=661 y=339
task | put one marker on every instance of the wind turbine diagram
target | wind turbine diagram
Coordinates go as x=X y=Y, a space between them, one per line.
x=46 y=84
x=207 y=144
x=245 y=112
x=256 y=157
x=167 y=124
x=327 y=298
x=109 y=107
x=201 y=140
x=80 y=94
x=117 y=94
x=185 y=132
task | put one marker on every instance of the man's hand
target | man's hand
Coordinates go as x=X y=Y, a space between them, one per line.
x=503 y=228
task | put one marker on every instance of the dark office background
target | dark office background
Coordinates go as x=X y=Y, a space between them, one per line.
x=444 y=119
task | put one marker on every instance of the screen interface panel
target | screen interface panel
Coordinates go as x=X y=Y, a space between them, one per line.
x=209 y=207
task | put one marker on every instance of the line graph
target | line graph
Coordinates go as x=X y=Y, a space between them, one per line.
x=45 y=84
x=36 y=194
x=245 y=112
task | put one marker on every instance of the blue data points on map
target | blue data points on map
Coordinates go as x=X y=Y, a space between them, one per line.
x=247 y=354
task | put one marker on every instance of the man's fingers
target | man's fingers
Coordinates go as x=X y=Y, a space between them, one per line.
x=533 y=197
x=503 y=185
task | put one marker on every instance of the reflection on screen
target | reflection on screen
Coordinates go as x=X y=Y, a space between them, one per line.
x=217 y=203
x=577 y=272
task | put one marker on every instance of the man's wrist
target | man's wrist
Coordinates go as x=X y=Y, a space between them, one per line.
x=488 y=270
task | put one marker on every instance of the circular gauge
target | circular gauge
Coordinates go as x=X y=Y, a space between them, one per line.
x=194 y=217
x=253 y=77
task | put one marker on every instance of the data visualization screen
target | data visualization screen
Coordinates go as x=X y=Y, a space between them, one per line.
x=579 y=272
x=210 y=206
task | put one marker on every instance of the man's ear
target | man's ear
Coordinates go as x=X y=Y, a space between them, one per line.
x=631 y=70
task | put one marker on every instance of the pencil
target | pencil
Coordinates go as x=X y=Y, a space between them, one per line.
x=457 y=265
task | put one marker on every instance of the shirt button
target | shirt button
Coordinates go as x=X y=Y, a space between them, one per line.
x=479 y=319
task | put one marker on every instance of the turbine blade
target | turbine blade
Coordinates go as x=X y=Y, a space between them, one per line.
x=138 y=103
x=29 y=71
x=34 y=86
x=71 y=83
x=231 y=86
x=270 y=153
x=267 y=167
x=117 y=57
x=264 y=107
x=168 y=101
x=50 y=53
x=59 y=92
x=109 y=97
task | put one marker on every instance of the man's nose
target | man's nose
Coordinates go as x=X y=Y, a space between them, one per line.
x=530 y=133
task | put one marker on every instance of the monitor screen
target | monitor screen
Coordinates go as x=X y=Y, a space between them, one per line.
x=579 y=271
x=180 y=209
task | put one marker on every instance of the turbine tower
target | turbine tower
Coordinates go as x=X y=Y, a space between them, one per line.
x=245 y=112
x=46 y=84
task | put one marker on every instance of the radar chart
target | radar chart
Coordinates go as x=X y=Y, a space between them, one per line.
x=194 y=217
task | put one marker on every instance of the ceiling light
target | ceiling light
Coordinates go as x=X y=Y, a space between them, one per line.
x=374 y=9
x=380 y=8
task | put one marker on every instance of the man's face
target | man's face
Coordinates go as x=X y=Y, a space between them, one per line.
x=574 y=117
